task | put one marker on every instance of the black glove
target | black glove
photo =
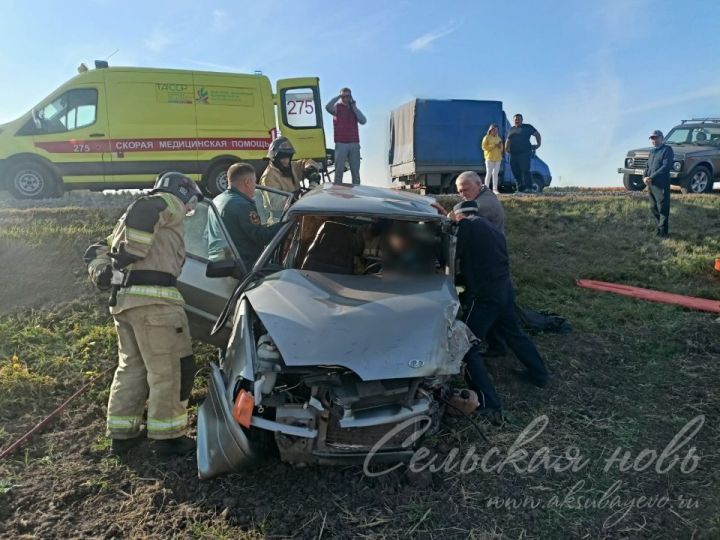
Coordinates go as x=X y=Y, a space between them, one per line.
x=103 y=278
x=122 y=258
x=313 y=176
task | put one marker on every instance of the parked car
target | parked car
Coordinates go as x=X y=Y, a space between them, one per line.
x=433 y=140
x=344 y=330
x=696 y=144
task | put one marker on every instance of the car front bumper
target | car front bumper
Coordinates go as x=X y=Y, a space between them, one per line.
x=641 y=172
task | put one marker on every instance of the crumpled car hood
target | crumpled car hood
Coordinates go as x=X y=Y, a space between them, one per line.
x=379 y=327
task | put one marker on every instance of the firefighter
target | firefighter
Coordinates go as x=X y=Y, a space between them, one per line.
x=140 y=261
x=284 y=174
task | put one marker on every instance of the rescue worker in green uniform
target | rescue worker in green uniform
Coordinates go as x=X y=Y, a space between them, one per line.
x=237 y=209
x=141 y=261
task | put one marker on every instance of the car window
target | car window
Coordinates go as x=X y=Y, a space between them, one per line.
x=271 y=204
x=205 y=236
x=701 y=135
x=300 y=108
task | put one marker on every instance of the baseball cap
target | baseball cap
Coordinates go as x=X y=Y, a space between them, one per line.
x=466 y=207
x=656 y=133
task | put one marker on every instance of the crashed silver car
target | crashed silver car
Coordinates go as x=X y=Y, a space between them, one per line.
x=344 y=329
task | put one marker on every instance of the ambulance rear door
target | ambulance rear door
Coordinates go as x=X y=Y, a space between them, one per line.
x=300 y=116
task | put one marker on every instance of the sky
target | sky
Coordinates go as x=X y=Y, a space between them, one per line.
x=594 y=77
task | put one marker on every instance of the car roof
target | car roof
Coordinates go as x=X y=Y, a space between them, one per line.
x=361 y=200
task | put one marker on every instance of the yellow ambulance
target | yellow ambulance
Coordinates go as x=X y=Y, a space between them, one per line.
x=119 y=127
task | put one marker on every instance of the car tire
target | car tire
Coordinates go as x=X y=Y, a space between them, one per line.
x=698 y=181
x=215 y=180
x=32 y=180
x=633 y=182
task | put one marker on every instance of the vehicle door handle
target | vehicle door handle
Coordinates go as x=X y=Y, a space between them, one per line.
x=97 y=134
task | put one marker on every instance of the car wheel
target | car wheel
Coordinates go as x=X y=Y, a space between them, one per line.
x=32 y=180
x=216 y=180
x=633 y=182
x=698 y=181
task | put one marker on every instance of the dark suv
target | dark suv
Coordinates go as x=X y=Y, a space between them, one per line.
x=696 y=144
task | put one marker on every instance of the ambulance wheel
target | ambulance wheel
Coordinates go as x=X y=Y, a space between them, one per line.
x=32 y=180
x=215 y=179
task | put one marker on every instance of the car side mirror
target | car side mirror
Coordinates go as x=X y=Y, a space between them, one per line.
x=225 y=268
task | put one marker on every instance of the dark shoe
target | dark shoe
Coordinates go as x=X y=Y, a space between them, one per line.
x=120 y=447
x=525 y=377
x=179 y=446
x=494 y=416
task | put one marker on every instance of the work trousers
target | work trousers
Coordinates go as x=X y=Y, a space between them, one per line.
x=492 y=173
x=520 y=165
x=155 y=365
x=479 y=379
x=347 y=152
x=659 y=196
x=497 y=310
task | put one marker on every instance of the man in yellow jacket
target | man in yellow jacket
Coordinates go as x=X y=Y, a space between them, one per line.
x=284 y=174
x=141 y=261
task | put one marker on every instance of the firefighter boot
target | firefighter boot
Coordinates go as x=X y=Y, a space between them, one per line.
x=179 y=446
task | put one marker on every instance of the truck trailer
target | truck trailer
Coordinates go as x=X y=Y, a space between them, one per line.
x=432 y=141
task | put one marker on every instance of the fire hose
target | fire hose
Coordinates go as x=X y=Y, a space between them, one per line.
x=49 y=418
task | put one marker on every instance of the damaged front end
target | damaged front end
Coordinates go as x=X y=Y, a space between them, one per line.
x=336 y=380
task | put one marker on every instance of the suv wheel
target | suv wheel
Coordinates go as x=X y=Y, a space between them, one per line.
x=698 y=181
x=216 y=180
x=633 y=182
x=32 y=180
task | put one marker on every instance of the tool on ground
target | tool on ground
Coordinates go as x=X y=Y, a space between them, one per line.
x=691 y=302
x=463 y=402
x=46 y=421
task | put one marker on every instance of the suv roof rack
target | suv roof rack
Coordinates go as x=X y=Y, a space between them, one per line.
x=701 y=120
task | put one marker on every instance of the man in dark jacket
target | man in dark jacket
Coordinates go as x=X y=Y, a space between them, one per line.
x=520 y=148
x=657 y=179
x=489 y=295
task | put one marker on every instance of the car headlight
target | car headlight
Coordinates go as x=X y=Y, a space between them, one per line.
x=677 y=166
x=629 y=162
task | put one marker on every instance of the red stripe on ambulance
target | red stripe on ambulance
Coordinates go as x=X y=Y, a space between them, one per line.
x=153 y=145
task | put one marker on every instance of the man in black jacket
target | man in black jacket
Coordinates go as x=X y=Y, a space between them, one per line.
x=489 y=295
x=657 y=179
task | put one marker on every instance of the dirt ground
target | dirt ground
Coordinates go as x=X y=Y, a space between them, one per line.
x=629 y=379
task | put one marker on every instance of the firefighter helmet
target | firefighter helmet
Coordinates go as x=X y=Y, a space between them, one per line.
x=280 y=148
x=179 y=185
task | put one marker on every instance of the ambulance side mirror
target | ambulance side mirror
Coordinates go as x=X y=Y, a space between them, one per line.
x=36 y=119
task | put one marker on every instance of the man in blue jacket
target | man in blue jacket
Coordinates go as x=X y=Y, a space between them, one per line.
x=657 y=179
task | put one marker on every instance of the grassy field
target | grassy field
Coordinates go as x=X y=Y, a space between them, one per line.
x=629 y=378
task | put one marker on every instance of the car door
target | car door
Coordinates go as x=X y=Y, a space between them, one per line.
x=205 y=296
x=206 y=241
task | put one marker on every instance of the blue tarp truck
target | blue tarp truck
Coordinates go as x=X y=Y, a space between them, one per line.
x=434 y=140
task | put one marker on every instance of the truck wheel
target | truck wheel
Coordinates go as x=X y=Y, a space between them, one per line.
x=698 y=181
x=633 y=182
x=538 y=183
x=216 y=180
x=32 y=180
